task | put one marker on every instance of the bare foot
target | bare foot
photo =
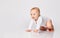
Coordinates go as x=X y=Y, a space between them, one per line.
x=50 y=30
x=43 y=28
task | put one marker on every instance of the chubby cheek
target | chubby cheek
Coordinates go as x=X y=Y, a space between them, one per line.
x=32 y=17
x=36 y=16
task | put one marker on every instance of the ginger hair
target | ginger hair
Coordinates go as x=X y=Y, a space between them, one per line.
x=36 y=9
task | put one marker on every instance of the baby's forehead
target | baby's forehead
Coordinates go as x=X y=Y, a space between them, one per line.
x=34 y=10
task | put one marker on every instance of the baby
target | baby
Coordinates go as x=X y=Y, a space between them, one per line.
x=39 y=22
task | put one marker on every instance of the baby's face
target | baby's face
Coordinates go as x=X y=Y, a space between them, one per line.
x=35 y=14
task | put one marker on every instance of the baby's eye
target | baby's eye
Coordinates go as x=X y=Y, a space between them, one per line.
x=30 y=14
x=33 y=14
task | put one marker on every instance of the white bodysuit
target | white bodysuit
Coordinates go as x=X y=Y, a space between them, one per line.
x=40 y=22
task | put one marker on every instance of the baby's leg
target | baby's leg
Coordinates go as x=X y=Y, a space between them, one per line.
x=42 y=28
x=49 y=25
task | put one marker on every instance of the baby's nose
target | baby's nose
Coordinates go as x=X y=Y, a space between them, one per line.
x=32 y=17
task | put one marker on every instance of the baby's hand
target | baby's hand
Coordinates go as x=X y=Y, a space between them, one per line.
x=35 y=30
x=28 y=30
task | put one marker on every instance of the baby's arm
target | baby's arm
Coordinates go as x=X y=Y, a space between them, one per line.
x=29 y=28
x=38 y=24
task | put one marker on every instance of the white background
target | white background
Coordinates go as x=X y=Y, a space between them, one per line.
x=15 y=17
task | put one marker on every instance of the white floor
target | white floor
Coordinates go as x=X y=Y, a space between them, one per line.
x=14 y=17
x=23 y=34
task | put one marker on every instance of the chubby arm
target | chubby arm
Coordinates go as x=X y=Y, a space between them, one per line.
x=30 y=25
x=38 y=24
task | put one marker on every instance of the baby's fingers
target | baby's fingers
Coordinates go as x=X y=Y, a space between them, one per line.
x=35 y=30
x=28 y=30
